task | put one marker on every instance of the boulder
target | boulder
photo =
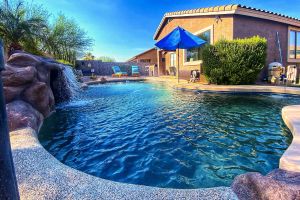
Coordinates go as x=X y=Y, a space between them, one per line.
x=22 y=59
x=32 y=85
x=12 y=93
x=38 y=96
x=13 y=76
x=278 y=184
x=21 y=115
x=46 y=70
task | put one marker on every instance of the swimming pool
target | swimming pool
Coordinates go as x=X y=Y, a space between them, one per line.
x=149 y=134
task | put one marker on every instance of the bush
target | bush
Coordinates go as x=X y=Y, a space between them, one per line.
x=235 y=62
x=65 y=62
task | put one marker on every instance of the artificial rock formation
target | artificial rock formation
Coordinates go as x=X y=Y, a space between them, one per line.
x=21 y=114
x=278 y=184
x=30 y=89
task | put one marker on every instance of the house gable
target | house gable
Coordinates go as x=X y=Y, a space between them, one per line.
x=226 y=10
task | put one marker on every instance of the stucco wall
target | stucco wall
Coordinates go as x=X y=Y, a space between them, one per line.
x=105 y=68
x=152 y=55
x=249 y=26
x=222 y=28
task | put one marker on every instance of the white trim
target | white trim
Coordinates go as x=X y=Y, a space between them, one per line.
x=197 y=62
x=175 y=59
x=203 y=14
x=292 y=60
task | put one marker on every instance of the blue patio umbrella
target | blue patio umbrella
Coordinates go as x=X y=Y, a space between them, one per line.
x=179 y=39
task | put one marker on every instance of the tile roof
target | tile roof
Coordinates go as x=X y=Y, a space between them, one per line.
x=225 y=9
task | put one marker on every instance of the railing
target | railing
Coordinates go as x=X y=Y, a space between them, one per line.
x=8 y=181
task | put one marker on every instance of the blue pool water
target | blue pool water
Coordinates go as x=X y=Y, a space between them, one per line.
x=149 y=134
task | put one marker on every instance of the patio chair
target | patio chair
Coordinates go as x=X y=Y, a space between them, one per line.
x=173 y=71
x=195 y=76
x=118 y=72
x=135 y=71
x=292 y=74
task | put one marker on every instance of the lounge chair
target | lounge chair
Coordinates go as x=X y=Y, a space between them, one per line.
x=118 y=72
x=135 y=71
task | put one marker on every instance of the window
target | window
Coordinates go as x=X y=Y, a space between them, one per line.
x=294 y=46
x=297 y=45
x=196 y=53
x=145 y=60
x=173 y=59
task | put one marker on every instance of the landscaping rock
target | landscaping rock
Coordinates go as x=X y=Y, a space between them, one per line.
x=21 y=115
x=38 y=96
x=278 y=184
x=13 y=76
x=32 y=85
x=103 y=80
x=12 y=93
x=45 y=69
x=84 y=86
x=22 y=59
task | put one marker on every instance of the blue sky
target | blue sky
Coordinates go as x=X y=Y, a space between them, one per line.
x=124 y=28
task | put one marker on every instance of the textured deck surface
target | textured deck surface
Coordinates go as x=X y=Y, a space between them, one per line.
x=41 y=176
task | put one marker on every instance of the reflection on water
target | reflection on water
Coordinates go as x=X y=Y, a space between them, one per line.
x=149 y=134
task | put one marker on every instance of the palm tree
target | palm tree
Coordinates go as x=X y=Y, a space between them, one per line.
x=21 y=25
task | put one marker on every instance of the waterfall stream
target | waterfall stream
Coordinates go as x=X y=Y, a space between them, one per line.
x=64 y=84
x=71 y=80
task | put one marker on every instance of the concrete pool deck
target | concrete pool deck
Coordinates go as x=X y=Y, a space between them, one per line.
x=290 y=160
x=41 y=176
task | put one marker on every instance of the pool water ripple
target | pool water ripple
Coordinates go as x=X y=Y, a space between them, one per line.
x=149 y=134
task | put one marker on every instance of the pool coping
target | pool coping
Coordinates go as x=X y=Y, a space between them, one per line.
x=42 y=176
x=290 y=160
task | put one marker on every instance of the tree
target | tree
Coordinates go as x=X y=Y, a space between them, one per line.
x=66 y=40
x=21 y=25
x=26 y=28
x=88 y=56
x=106 y=59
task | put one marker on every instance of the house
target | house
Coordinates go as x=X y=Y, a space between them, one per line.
x=230 y=22
x=149 y=56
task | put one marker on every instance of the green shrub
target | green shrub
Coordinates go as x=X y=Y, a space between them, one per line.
x=65 y=62
x=235 y=62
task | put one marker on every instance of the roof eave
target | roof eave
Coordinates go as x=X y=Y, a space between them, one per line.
x=268 y=16
x=161 y=25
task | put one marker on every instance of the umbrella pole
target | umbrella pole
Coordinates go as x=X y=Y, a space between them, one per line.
x=8 y=181
x=178 y=65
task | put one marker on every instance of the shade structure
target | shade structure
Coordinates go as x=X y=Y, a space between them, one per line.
x=179 y=39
